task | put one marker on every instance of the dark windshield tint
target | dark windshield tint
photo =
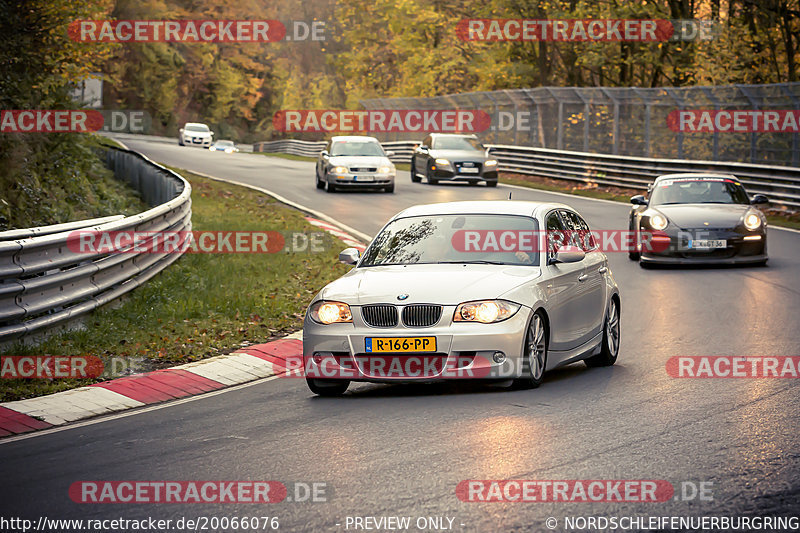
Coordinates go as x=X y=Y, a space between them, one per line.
x=698 y=191
x=440 y=238
x=356 y=148
x=456 y=143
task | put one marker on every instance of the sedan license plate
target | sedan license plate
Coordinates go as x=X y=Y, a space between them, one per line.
x=364 y=178
x=469 y=170
x=400 y=344
x=708 y=244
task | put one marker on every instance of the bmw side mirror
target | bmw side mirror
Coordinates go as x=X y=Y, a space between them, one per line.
x=349 y=256
x=390 y=154
x=638 y=200
x=759 y=199
x=568 y=254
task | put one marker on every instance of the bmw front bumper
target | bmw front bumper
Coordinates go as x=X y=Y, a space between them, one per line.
x=463 y=350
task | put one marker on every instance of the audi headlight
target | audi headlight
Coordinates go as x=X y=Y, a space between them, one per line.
x=385 y=170
x=324 y=312
x=339 y=170
x=443 y=162
x=752 y=221
x=658 y=221
x=485 y=311
x=490 y=163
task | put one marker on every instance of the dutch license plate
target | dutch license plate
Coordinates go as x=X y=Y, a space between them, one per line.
x=400 y=344
x=469 y=170
x=708 y=244
x=364 y=178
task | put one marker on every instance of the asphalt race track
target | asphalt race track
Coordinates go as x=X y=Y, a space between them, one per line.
x=402 y=450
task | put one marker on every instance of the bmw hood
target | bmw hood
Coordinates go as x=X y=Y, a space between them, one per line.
x=360 y=161
x=437 y=284
x=688 y=216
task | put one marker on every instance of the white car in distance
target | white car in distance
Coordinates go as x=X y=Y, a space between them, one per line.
x=195 y=134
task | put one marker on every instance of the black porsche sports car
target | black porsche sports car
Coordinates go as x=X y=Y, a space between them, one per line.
x=706 y=218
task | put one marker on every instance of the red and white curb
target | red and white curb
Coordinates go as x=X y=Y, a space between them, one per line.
x=248 y=364
x=336 y=232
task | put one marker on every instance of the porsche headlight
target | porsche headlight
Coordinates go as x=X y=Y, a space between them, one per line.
x=658 y=221
x=485 y=311
x=339 y=170
x=490 y=163
x=324 y=312
x=752 y=221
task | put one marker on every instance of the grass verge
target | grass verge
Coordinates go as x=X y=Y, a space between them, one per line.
x=203 y=304
x=776 y=217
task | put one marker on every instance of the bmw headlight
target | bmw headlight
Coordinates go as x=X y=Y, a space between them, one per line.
x=752 y=221
x=339 y=170
x=324 y=312
x=485 y=311
x=658 y=221
x=490 y=163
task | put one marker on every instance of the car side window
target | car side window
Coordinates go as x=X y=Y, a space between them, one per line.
x=580 y=234
x=555 y=234
x=427 y=142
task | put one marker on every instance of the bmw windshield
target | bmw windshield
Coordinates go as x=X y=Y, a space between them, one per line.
x=474 y=239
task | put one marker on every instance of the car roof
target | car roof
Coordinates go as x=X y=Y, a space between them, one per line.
x=361 y=138
x=480 y=207
x=196 y=124
x=471 y=135
x=695 y=175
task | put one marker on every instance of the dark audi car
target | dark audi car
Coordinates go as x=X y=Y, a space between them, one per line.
x=699 y=218
x=452 y=157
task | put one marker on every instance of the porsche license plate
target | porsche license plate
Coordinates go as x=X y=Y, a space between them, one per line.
x=399 y=344
x=708 y=244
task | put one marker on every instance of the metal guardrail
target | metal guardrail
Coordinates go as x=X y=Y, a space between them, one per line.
x=44 y=283
x=780 y=184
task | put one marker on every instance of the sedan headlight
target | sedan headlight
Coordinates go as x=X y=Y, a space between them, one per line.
x=752 y=221
x=339 y=170
x=485 y=311
x=490 y=163
x=658 y=221
x=324 y=312
x=443 y=162
x=385 y=170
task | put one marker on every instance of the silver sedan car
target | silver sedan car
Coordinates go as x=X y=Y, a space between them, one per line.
x=465 y=290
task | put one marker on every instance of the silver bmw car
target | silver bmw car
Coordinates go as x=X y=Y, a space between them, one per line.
x=465 y=290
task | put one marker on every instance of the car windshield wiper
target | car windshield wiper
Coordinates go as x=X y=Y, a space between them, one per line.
x=474 y=262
